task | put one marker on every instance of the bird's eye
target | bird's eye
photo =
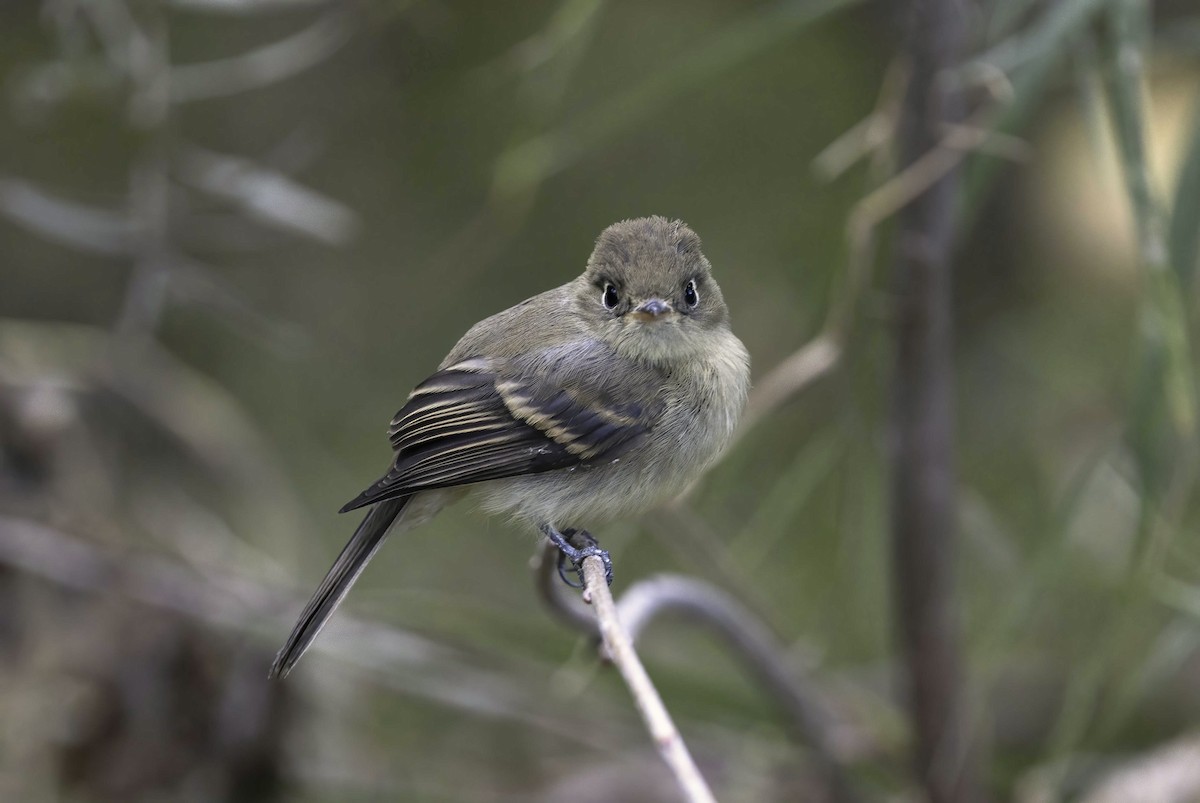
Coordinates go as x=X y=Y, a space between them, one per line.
x=611 y=297
x=690 y=296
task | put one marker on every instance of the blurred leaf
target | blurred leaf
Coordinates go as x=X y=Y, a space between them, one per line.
x=264 y=65
x=1030 y=59
x=267 y=195
x=1182 y=34
x=775 y=515
x=1180 y=596
x=245 y=7
x=564 y=35
x=1170 y=654
x=1005 y=16
x=1043 y=40
x=1185 y=212
x=1163 y=411
x=1046 y=569
x=534 y=160
x=80 y=226
x=1162 y=320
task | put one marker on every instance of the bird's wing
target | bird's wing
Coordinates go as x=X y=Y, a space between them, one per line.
x=482 y=419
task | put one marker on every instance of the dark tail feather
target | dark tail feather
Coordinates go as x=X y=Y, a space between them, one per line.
x=346 y=569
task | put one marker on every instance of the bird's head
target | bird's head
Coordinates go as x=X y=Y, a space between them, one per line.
x=649 y=291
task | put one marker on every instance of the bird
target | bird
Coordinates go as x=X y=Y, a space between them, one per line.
x=594 y=400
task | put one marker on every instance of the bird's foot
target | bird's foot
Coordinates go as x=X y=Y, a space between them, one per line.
x=568 y=552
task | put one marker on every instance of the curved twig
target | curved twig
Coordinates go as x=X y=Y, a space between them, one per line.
x=808 y=717
x=263 y=66
x=742 y=630
x=229 y=600
x=807 y=364
x=658 y=721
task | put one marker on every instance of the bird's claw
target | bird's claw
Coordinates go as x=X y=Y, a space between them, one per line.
x=576 y=555
x=576 y=559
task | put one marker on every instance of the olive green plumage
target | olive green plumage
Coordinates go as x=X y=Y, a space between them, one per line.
x=598 y=398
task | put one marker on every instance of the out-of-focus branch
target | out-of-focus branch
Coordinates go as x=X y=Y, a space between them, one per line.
x=809 y=363
x=245 y=7
x=149 y=184
x=807 y=714
x=86 y=228
x=198 y=414
x=821 y=354
x=198 y=284
x=1168 y=773
x=263 y=66
x=267 y=195
x=870 y=136
x=1163 y=320
x=545 y=155
x=922 y=459
x=808 y=717
x=404 y=661
x=658 y=721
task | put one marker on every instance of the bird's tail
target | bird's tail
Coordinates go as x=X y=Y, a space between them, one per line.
x=345 y=570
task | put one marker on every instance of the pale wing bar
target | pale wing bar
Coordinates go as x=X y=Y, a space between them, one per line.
x=466 y=424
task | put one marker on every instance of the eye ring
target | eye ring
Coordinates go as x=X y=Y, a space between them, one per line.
x=690 y=296
x=610 y=298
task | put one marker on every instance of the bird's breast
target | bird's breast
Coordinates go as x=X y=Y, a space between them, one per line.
x=701 y=405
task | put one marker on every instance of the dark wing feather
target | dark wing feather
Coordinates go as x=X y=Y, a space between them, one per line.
x=473 y=422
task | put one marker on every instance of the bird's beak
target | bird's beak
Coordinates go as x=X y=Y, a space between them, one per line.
x=653 y=310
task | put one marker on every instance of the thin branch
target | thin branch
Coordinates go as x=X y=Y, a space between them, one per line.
x=223 y=598
x=924 y=531
x=869 y=135
x=245 y=7
x=262 y=66
x=808 y=716
x=149 y=184
x=1162 y=320
x=821 y=354
x=658 y=721
x=267 y=195
x=198 y=414
x=547 y=154
x=806 y=365
x=758 y=648
x=1169 y=772
x=197 y=283
x=75 y=225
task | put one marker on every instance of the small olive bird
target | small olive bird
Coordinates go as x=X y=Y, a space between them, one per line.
x=596 y=399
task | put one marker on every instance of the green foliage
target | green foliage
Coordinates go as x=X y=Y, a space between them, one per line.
x=451 y=160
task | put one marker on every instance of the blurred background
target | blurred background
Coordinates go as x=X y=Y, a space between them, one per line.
x=235 y=233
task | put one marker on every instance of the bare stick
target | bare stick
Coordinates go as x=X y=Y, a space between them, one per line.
x=227 y=599
x=810 y=718
x=658 y=722
x=809 y=363
x=924 y=493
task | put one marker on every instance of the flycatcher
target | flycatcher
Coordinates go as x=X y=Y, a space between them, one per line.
x=598 y=398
